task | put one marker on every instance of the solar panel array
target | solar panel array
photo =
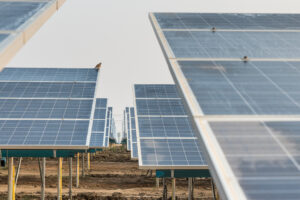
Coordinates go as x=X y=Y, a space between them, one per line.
x=99 y=124
x=166 y=139
x=239 y=75
x=128 y=130
x=108 y=126
x=133 y=139
x=19 y=20
x=54 y=117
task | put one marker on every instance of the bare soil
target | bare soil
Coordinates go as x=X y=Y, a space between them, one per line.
x=113 y=175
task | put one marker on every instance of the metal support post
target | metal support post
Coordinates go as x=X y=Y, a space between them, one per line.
x=165 y=189
x=59 y=179
x=11 y=179
x=157 y=183
x=82 y=164
x=190 y=185
x=173 y=185
x=43 y=177
x=77 y=170
x=70 y=178
x=213 y=189
x=88 y=161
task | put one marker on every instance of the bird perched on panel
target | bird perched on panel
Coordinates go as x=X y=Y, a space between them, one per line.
x=98 y=66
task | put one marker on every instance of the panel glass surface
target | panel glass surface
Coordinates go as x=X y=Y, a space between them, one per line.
x=134 y=153
x=47 y=90
x=43 y=132
x=233 y=44
x=171 y=152
x=49 y=74
x=234 y=87
x=165 y=127
x=228 y=21
x=100 y=113
x=13 y=14
x=96 y=139
x=155 y=91
x=101 y=103
x=159 y=107
x=45 y=108
x=98 y=125
x=264 y=156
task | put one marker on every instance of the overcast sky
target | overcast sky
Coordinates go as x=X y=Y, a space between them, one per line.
x=119 y=34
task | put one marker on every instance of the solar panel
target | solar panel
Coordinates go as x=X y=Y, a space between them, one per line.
x=159 y=107
x=45 y=108
x=21 y=19
x=49 y=74
x=246 y=111
x=251 y=21
x=32 y=122
x=98 y=135
x=133 y=136
x=166 y=140
x=127 y=118
x=155 y=91
x=47 y=90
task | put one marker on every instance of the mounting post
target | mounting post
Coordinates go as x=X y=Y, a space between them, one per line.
x=88 y=161
x=157 y=183
x=59 y=179
x=11 y=179
x=190 y=185
x=82 y=165
x=77 y=170
x=70 y=178
x=173 y=185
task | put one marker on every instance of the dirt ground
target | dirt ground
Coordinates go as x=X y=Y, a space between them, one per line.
x=113 y=175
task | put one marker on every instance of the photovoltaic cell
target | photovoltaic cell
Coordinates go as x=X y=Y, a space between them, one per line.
x=47 y=90
x=167 y=140
x=45 y=108
x=101 y=103
x=100 y=113
x=160 y=107
x=43 y=132
x=96 y=140
x=253 y=151
x=49 y=74
x=13 y=14
x=228 y=21
x=165 y=127
x=171 y=152
x=233 y=87
x=233 y=44
x=155 y=91
x=98 y=125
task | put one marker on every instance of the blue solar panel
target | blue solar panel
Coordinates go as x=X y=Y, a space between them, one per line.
x=155 y=91
x=165 y=127
x=13 y=14
x=127 y=110
x=233 y=87
x=45 y=108
x=98 y=126
x=100 y=113
x=236 y=44
x=255 y=156
x=228 y=21
x=49 y=74
x=101 y=103
x=43 y=132
x=171 y=152
x=96 y=140
x=134 y=150
x=47 y=89
x=160 y=107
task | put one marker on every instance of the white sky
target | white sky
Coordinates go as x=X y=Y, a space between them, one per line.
x=119 y=34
